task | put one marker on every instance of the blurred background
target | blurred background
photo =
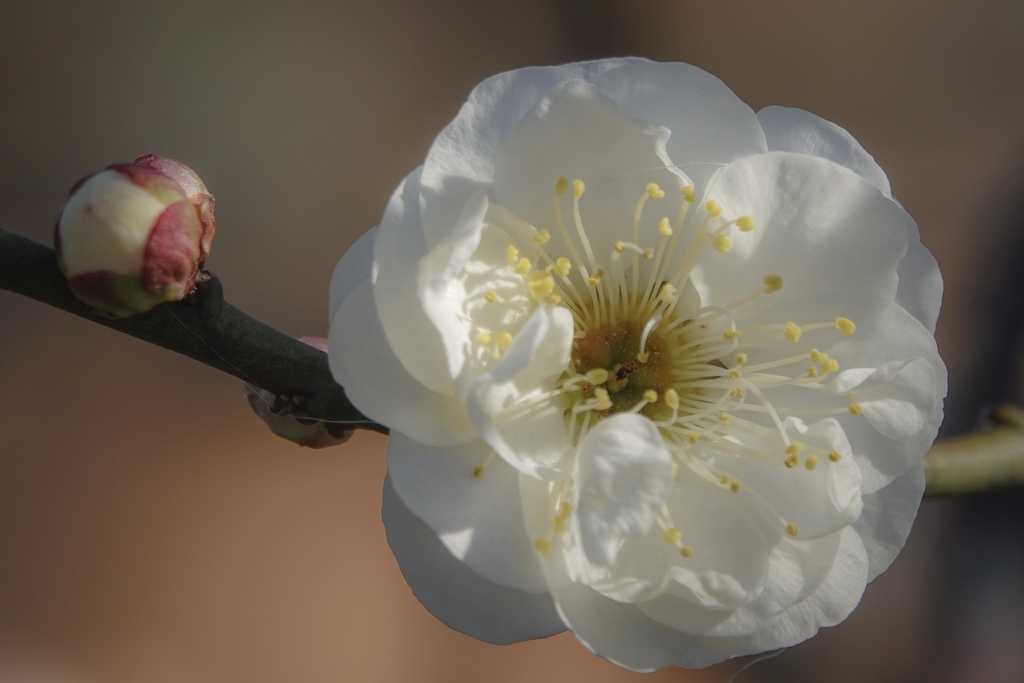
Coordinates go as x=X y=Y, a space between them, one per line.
x=152 y=530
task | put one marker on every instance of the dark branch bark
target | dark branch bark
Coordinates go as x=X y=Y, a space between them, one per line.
x=210 y=330
x=204 y=327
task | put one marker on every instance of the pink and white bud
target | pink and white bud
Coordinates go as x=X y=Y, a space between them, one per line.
x=135 y=235
x=276 y=413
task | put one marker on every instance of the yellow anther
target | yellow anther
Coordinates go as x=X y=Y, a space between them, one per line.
x=643 y=356
x=731 y=334
x=561 y=186
x=541 y=285
x=648 y=253
x=792 y=529
x=812 y=371
x=595 y=279
x=620 y=246
x=664 y=227
x=686 y=551
x=512 y=254
x=651 y=396
x=490 y=296
x=597 y=376
x=725 y=479
x=693 y=438
x=601 y=393
x=542 y=238
x=578 y=188
x=672 y=535
x=689 y=195
x=811 y=462
x=845 y=326
x=792 y=331
x=795 y=448
x=834 y=456
x=855 y=409
x=772 y=283
x=722 y=244
x=503 y=339
x=478 y=471
x=524 y=266
x=654 y=191
x=483 y=338
x=741 y=392
x=667 y=293
x=565 y=510
x=560 y=525
x=672 y=399
x=816 y=356
x=562 y=267
x=713 y=208
x=724 y=417
x=735 y=375
x=746 y=223
x=741 y=359
x=543 y=546
x=791 y=461
x=554 y=299
x=831 y=365
x=734 y=487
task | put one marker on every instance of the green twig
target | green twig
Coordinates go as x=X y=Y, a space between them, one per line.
x=204 y=327
x=986 y=461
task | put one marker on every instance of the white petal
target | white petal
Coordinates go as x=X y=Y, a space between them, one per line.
x=819 y=225
x=795 y=130
x=920 y=287
x=831 y=603
x=355 y=265
x=885 y=333
x=819 y=501
x=625 y=474
x=578 y=133
x=479 y=519
x=398 y=250
x=728 y=565
x=455 y=594
x=442 y=283
x=617 y=631
x=377 y=383
x=898 y=398
x=888 y=515
x=530 y=436
x=709 y=123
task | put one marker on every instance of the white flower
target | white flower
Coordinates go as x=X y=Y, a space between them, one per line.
x=657 y=368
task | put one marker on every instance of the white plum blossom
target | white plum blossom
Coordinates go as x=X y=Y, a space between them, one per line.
x=657 y=369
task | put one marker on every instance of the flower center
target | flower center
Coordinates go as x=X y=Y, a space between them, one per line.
x=645 y=343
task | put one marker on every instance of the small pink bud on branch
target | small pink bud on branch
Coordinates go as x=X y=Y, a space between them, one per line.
x=135 y=235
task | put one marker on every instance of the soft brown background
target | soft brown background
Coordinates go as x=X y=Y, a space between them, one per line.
x=152 y=531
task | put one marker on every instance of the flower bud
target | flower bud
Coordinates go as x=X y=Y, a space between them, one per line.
x=275 y=411
x=135 y=235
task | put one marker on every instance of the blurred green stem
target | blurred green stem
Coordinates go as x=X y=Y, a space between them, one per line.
x=210 y=330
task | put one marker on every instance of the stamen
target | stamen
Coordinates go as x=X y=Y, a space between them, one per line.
x=512 y=254
x=713 y=208
x=772 y=283
x=722 y=243
x=792 y=331
x=845 y=326
x=503 y=339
